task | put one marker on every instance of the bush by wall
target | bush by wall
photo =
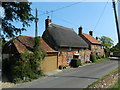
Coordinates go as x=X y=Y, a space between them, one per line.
x=22 y=68
x=98 y=57
x=92 y=57
x=75 y=62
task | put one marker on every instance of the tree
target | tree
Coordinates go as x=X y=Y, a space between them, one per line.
x=116 y=48
x=106 y=42
x=16 y=12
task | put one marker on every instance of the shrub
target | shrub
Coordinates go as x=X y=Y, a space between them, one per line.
x=22 y=68
x=75 y=62
x=98 y=57
x=103 y=56
x=92 y=57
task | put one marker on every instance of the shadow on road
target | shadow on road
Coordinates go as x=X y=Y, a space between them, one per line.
x=73 y=77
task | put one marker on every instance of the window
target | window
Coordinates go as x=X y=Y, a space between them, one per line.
x=82 y=58
x=87 y=57
x=69 y=59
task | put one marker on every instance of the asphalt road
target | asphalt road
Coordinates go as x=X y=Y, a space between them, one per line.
x=74 y=78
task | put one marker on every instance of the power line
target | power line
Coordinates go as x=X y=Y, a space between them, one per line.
x=101 y=15
x=59 y=8
x=66 y=21
x=66 y=6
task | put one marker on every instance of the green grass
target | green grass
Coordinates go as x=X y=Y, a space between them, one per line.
x=101 y=60
x=117 y=84
x=104 y=77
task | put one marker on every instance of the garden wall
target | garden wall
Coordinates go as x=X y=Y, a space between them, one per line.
x=49 y=63
x=108 y=81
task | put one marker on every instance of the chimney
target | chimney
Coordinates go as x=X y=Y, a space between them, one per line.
x=80 y=30
x=91 y=33
x=47 y=22
x=96 y=38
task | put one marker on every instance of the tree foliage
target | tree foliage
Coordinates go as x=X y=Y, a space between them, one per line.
x=39 y=54
x=16 y=12
x=116 y=48
x=106 y=41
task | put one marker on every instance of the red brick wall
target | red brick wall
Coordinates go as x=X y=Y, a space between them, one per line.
x=97 y=49
x=63 y=55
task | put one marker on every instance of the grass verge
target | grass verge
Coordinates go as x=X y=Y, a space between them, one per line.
x=103 y=78
x=117 y=84
x=101 y=60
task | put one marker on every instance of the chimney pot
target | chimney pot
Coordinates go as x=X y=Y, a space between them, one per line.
x=47 y=22
x=96 y=38
x=80 y=30
x=91 y=33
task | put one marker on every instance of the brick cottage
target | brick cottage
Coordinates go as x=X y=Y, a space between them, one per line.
x=94 y=45
x=66 y=42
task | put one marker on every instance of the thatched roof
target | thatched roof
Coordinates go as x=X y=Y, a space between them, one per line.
x=66 y=37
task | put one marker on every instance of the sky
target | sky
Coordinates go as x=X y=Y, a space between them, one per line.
x=95 y=16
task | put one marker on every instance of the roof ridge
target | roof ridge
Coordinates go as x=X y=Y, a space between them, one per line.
x=96 y=41
x=52 y=24
x=26 y=36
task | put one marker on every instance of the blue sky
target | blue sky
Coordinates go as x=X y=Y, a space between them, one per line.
x=85 y=14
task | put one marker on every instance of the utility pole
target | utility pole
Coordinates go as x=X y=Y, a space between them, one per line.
x=116 y=19
x=0 y=19
x=36 y=23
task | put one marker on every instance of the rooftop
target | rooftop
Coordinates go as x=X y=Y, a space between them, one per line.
x=91 y=38
x=66 y=37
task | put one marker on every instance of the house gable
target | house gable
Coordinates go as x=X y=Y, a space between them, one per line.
x=91 y=39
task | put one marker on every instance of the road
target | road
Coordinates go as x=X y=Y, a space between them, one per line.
x=74 y=78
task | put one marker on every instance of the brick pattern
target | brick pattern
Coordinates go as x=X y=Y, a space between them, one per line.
x=97 y=49
x=93 y=44
x=63 y=56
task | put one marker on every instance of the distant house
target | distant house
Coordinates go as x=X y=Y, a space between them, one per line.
x=22 y=43
x=94 y=45
x=66 y=42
